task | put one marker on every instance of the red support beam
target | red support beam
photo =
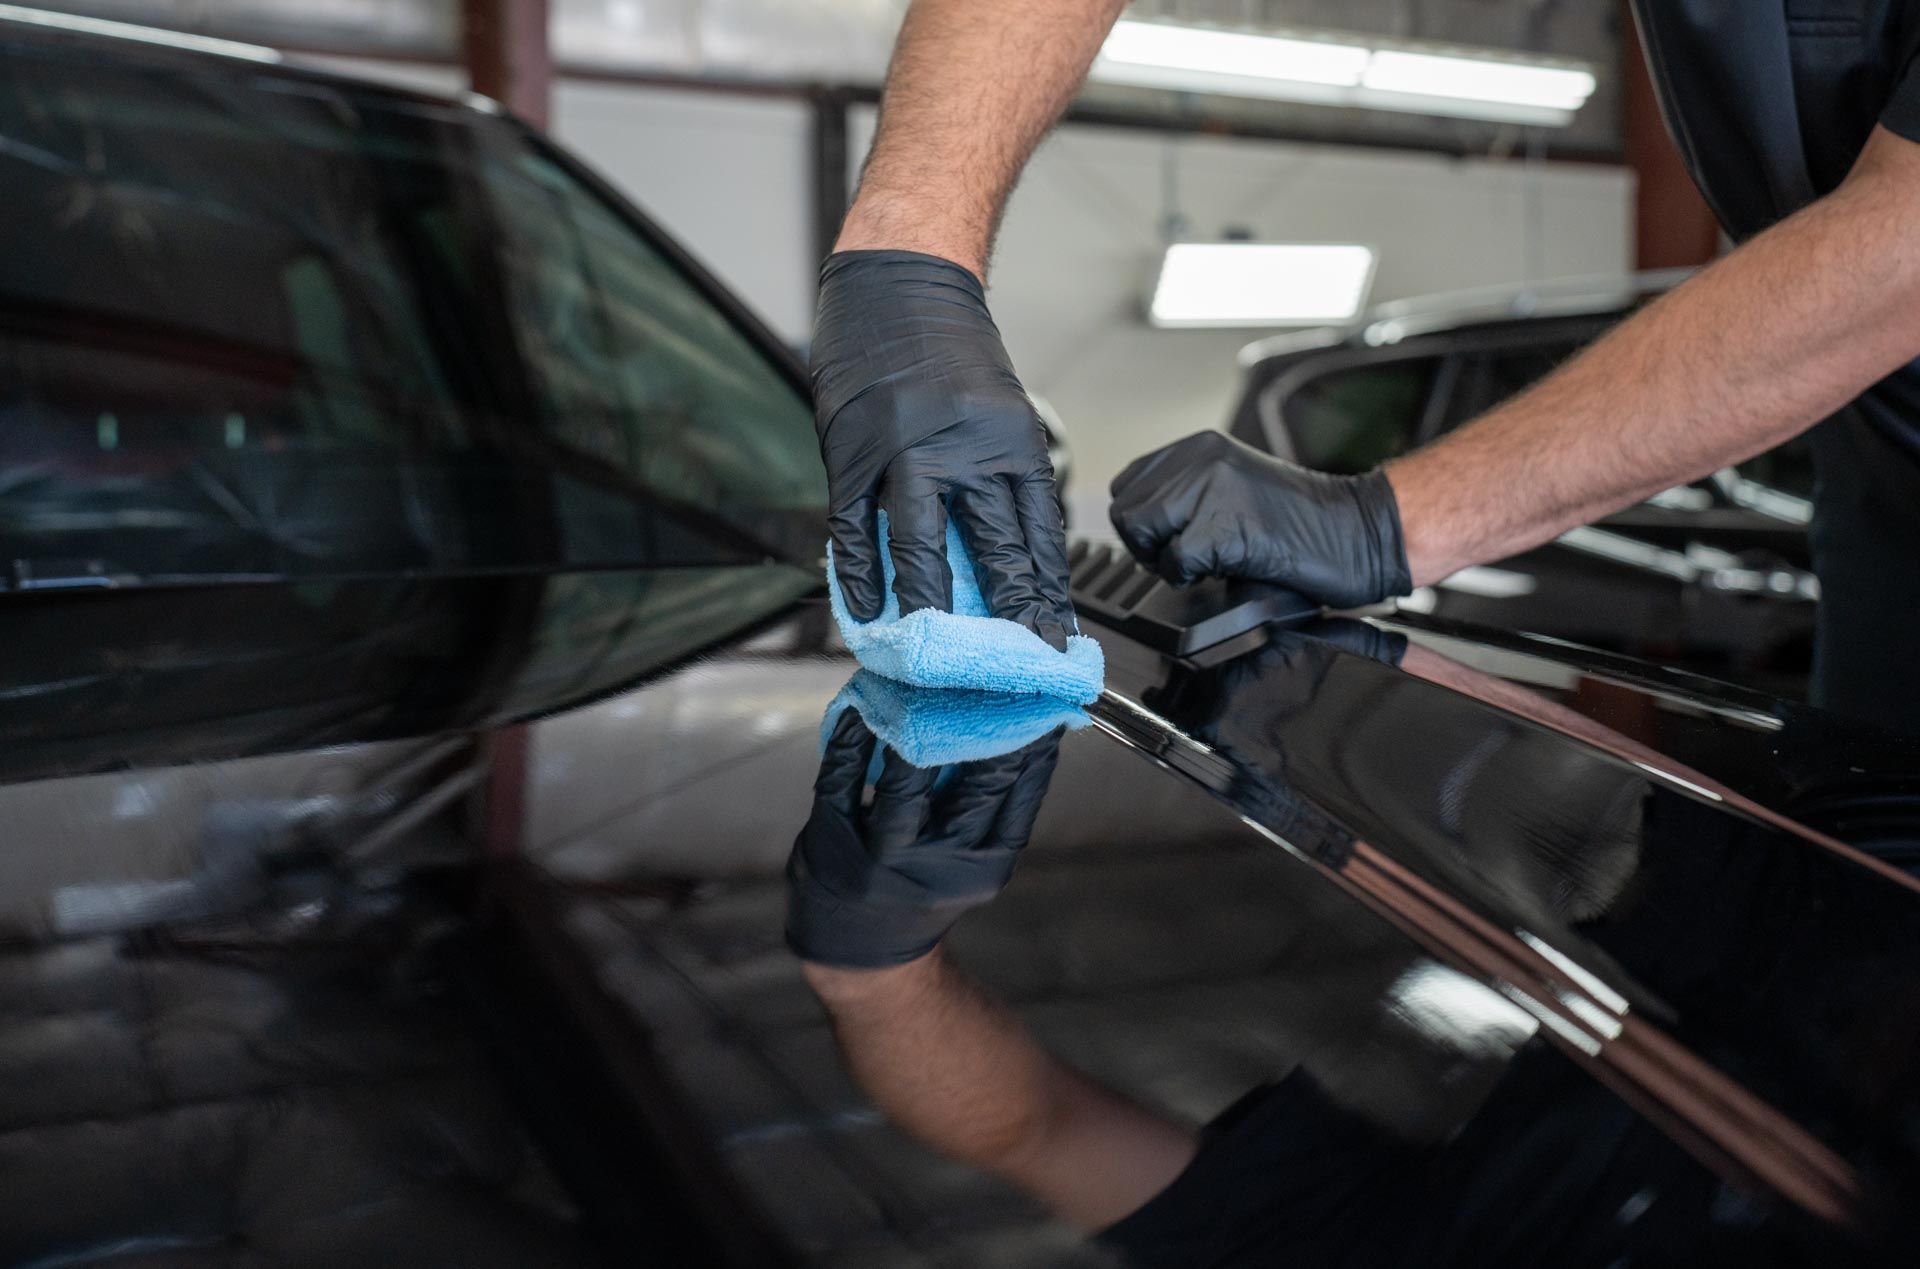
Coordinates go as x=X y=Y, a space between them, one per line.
x=503 y=800
x=508 y=55
x=1672 y=223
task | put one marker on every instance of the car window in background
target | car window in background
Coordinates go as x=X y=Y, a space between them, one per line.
x=265 y=328
x=1485 y=380
x=1353 y=420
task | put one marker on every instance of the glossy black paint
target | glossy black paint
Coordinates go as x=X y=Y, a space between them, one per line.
x=1714 y=998
x=1303 y=859
x=1629 y=863
x=104 y=681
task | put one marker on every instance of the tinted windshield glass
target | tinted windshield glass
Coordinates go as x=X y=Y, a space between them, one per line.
x=1353 y=420
x=276 y=328
x=631 y=366
x=1487 y=379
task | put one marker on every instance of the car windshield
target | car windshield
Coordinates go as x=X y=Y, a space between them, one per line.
x=1352 y=420
x=275 y=327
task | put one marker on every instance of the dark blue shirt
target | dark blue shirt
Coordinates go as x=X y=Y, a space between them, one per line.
x=1771 y=102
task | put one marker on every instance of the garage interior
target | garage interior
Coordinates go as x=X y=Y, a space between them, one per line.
x=436 y=910
x=741 y=127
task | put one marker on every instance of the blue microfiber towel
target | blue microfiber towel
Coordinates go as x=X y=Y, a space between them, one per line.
x=936 y=727
x=965 y=648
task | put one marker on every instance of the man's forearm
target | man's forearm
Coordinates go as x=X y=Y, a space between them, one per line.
x=957 y=1071
x=1755 y=350
x=973 y=86
x=938 y=1058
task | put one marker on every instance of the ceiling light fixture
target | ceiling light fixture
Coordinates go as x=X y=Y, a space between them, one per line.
x=1260 y=284
x=1343 y=71
x=1479 y=79
x=1193 y=50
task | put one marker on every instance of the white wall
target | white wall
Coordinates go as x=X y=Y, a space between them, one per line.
x=725 y=175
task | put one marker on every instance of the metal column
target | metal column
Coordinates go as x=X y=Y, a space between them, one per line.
x=508 y=56
x=829 y=160
x=1672 y=223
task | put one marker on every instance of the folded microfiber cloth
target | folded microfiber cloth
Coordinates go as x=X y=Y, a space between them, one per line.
x=936 y=727
x=965 y=648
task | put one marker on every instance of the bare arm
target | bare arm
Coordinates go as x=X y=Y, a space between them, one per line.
x=1758 y=348
x=958 y=1072
x=973 y=86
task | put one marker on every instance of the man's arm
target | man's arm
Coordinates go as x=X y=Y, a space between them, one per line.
x=918 y=408
x=973 y=86
x=954 y=1070
x=1756 y=349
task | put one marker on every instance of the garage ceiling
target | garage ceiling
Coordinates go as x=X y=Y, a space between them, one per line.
x=847 y=41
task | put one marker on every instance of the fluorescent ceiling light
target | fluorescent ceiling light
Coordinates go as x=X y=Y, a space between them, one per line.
x=1341 y=71
x=1473 y=78
x=1197 y=49
x=1260 y=283
x=145 y=34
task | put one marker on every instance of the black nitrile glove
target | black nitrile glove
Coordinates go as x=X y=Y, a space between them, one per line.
x=919 y=414
x=881 y=885
x=1208 y=506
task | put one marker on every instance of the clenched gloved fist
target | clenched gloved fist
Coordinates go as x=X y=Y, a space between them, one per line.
x=877 y=885
x=1210 y=506
x=919 y=415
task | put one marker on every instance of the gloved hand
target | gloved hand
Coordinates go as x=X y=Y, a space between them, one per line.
x=920 y=414
x=1210 y=506
x=882 y=885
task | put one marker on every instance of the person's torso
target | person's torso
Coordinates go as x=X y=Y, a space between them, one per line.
x=1771 y=103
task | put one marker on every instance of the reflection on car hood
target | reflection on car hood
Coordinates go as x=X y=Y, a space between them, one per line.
x=1421 y=884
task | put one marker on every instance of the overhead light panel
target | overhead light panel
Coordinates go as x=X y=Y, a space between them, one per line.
x=1261 y=284
x=1345 y=71
x=1480 y=79
x=1194 y=50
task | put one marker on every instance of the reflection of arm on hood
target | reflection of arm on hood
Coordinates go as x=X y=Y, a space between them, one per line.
x=873 y=886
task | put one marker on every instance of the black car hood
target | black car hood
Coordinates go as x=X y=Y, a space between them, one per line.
x=1402 y=880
